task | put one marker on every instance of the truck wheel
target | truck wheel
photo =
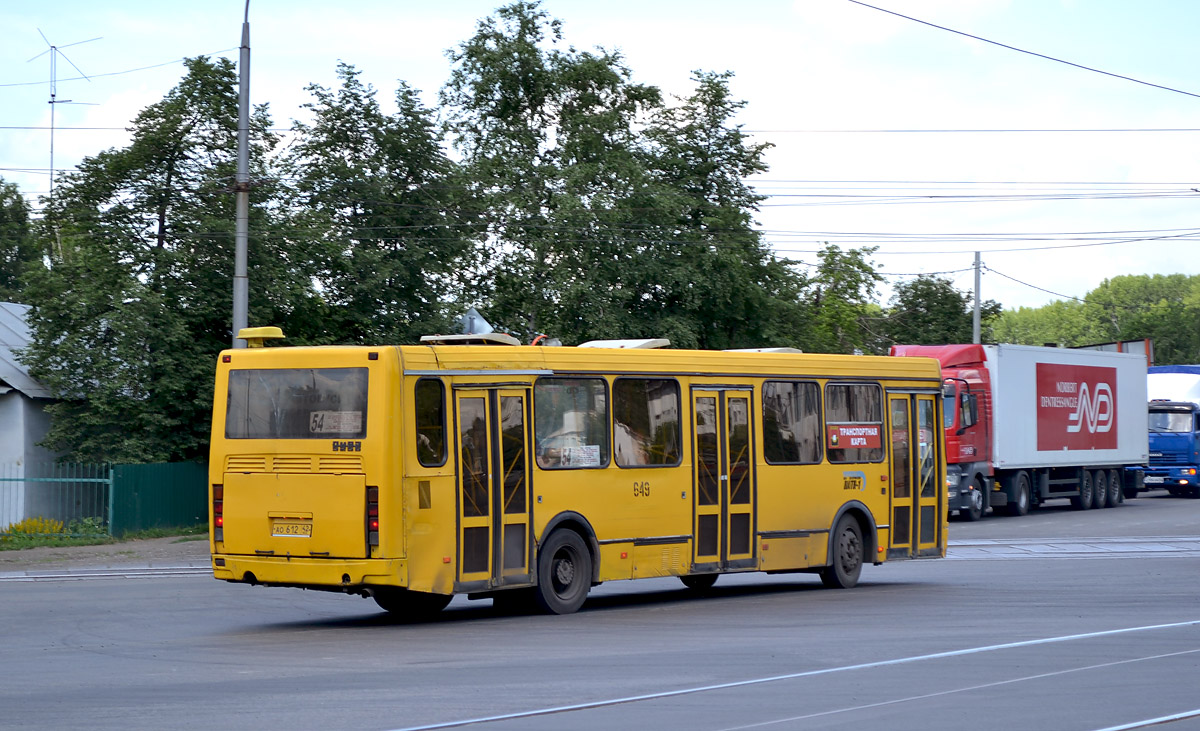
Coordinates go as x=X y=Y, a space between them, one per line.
x=1084 y=500
x=1100 y=489
x=564 y=573
x=1020 y=502
x=1114 y=488
x=974 y=509
x=847 y=559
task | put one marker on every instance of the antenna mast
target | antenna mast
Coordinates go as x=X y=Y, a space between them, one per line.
x=55 y=52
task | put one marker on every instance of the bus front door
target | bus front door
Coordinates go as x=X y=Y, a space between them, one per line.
x=493 y=488
x=916 y=503
x=723 y=482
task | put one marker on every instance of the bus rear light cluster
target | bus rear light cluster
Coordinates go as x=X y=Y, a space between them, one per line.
x=372 y=516
x=218 y=506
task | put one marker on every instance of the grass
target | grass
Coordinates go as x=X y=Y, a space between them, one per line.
x=17 y=542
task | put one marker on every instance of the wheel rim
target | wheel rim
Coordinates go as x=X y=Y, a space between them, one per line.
x=977 y=500
x=563 y=572
x=849 y=550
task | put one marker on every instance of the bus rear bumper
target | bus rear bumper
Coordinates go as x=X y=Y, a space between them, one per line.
x=310 y=573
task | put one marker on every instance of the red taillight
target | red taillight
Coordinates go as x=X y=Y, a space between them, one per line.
x=218 y=508
x=372 y=516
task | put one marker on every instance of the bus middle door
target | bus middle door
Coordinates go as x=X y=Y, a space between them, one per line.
x=492 y=462
x=723 y=481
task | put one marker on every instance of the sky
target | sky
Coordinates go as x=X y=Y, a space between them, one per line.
x=886 y=131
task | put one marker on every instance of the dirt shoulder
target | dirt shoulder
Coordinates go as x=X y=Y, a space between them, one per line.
x=152 y=552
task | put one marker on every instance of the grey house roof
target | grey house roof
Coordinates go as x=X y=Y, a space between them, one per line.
x=14 y=334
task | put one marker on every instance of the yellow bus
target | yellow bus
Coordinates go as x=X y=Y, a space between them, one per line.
x=528 y=474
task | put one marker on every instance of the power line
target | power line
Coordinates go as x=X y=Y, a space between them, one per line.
x=966 y=131
x=1031 y=286
x=1021 y=50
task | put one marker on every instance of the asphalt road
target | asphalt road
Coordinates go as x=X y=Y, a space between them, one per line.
x=1059 y=620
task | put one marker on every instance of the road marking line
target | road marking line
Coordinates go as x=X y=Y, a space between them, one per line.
x=966 y=690
x=1153 y=721
x=791 y=676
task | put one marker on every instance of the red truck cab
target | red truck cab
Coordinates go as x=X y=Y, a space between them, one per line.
x=968 y=408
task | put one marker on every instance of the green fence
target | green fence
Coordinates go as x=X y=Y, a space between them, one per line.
x=158 y=496
x=121 y=498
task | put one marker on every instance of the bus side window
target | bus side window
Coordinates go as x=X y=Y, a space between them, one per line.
x=791 y=422
x=570 y=419
x=646 y=422
x=854 y=423
x=430 y=403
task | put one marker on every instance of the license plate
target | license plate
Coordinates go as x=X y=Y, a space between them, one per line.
x=1153 y=480
x=280 y=528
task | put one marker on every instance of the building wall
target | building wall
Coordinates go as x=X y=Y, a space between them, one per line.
x=23 y=423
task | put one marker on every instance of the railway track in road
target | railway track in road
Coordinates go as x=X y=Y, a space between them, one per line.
x=984 y=549
x=977 y=549
x=133 y=572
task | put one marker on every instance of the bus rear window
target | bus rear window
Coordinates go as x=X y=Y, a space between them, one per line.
x=297 y=403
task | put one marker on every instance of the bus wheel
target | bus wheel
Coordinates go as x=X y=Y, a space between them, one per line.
x=408 y=605
x=699 y=582
x=847 y=555
x=564 y=573
x=1020 y=501
x=974 y=511
x=1100 y=489
x=1114 y=488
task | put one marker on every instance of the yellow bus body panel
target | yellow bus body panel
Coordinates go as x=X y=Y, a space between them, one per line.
x=640 y=518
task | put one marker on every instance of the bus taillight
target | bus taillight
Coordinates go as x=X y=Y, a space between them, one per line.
x=218 y=500
x=372 y=516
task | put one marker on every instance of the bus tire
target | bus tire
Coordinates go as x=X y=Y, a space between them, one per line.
x=411 y=606
x=847 y=557
x=1019 y=505
x=564 y=573
x=1114 y=488
x=699 y=582
x=1100 y=489
x=1083 y=501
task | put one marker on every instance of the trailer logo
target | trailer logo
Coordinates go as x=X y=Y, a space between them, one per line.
x=1076 y=407
x=1095 y=413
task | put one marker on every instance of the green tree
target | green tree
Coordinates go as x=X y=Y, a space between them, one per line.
x=711 y=282
x=384 y=206
x=1060 y=323
x=18 y=250
x=128 y=318
x=928 y=310
x=838 y=302
x=611 y=214
x=546 y=139
x=1161 y=308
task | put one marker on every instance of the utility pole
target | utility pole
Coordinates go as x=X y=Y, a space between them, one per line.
x=975 y=334
x=241 y=280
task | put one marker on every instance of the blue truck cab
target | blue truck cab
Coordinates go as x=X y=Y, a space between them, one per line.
x=1174 y=420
